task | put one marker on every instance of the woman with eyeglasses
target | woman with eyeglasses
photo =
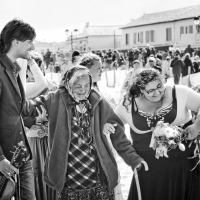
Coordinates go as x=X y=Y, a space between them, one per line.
x=147 y=101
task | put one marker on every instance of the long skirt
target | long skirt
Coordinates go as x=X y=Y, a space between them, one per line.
x=39 y=152
x=168 y=178
x=99 y=191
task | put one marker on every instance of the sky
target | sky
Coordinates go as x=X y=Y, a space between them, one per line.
x=51 y=18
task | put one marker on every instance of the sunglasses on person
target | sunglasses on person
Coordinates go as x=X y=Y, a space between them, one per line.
x=152 y=91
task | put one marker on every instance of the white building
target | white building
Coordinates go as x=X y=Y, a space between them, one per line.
x=52 y=46
x=96 y=38
x=162 y=29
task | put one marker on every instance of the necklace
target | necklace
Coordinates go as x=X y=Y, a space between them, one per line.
x=84 y=126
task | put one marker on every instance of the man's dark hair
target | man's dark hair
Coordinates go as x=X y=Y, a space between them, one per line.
x=15 y=29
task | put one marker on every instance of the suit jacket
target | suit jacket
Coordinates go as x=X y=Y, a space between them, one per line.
x=177 y=65
x=12 y=99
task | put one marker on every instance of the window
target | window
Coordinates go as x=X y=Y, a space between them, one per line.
x=152 y=36
x=168 y=34
x=147 y=36
x=141 y=37
x=181 y=30
x=138 y=37
x=127 y=38
x=190 y=29
x=134 y=38
x=186 y=30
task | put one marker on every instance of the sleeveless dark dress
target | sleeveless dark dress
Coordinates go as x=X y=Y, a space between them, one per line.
x=167 y=178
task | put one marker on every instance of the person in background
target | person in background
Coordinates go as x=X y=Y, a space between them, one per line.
x=57 y=67
x=52 y=58
x=136 y=53
x=130 y=75
x=117 y=58
x=144 y=55
x=108 y=59
x=152 y=64
x=152 y=51
x=166 y=68
x=187 y=63
x=189 y=50
x=171 y=55
x=16 y=41
x=185 y=69
x=137 y=65
x=101 y=55
x=76 y=55
x=158 y=65
x=47 y=57
x=195 y=64
x=164 y=55
x=93 y=63
x=159 y=56
x=140 y=58
x=177 y=65
x=51 y=68
x=130 y=58
x=148 y=52
x=122 y=62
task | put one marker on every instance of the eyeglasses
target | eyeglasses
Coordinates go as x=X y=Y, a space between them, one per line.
x=152 y=91
x=150 y=60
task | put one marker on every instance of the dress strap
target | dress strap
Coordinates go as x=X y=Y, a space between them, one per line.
x=134 y=105
x=174 y=93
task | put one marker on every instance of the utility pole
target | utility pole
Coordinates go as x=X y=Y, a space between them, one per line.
x=71 y=39
x=71 y=42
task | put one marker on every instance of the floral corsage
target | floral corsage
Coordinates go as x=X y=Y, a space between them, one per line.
x=166 y=137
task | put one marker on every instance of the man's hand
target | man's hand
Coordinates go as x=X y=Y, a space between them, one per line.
x=109 y=128
x=7 y=169
x=41 y=115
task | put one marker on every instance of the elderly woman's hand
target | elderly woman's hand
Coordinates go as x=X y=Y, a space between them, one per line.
x=109 y=128
x=138 y=167
x=193 y=131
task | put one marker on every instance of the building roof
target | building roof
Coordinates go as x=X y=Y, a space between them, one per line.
x=103 y=30
x=166 y=16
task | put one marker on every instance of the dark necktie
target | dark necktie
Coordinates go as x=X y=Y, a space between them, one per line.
x=16 y=70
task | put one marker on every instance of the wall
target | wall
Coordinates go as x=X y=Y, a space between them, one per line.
x=53 y=47
x=101 y=42
x=160 y=35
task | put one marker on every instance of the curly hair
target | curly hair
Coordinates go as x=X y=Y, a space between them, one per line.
x=88 y=59
x=138 y=82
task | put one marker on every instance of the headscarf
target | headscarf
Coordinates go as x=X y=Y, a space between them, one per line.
x=70 y=78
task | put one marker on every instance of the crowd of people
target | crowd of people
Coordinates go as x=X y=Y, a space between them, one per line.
x=72 y=130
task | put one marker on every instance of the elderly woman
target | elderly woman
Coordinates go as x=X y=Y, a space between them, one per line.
x=80 y=164
x=148 y=101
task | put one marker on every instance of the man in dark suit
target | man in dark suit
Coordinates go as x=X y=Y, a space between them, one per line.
x=177 y=64
x=16 y=40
